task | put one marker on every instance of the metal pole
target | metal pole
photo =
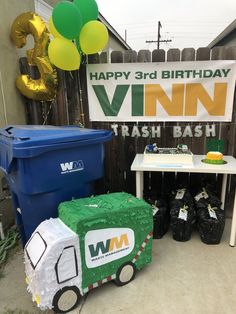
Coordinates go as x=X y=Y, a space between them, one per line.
x=159 y=34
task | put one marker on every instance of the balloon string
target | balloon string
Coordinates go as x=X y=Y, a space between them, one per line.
x=49 y=110
x=81 y=101
x=3 y=99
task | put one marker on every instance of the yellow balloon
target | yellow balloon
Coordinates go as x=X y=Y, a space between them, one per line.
x=52 y=29
x=93 y=37
x=64 y=54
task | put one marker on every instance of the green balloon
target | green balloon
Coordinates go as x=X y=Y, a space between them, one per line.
x=88 y=9
x=67 y=19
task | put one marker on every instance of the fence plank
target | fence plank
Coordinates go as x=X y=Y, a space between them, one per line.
x=203 y=54
x=105 y=184
x=117 y=57
x=158 y=55
x=72 y=92
x=131 y=145
x=198 y=144
x=90 y=59
x=173 y=55
x=218 y=53
x=188 y=54
x=231 y=53
x=130 y=56
x=168 y=183
x=140 y=143
x=153 y=180
x=118 y=146
x=62 y=99
x=93 y=59
x=144 y=56
x=103 y=57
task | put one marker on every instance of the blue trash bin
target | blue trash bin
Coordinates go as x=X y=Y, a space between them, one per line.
x=45 y=165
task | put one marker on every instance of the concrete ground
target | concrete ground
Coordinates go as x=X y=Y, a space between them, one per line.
x=184 y=277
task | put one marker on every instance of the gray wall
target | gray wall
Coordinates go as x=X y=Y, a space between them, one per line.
x=229 y=40
x=114 y=44
x=51 y=2
x=14 y=111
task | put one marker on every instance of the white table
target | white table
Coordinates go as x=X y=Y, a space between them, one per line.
x=197 y=167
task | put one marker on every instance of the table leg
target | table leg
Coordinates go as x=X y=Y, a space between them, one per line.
x=233 y=224
x=139 y=184
x=223 y=190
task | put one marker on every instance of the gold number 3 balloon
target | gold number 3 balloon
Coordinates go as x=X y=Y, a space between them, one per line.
x=45 y=87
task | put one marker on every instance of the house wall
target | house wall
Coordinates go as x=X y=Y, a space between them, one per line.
x=114 y=44
x=11 y=103
x=12 y=110
x=229 y=40
x=51 y=2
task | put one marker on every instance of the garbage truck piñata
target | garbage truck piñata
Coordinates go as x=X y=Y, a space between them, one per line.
x=95 y=240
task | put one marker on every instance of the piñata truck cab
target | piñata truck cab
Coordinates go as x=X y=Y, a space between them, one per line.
x=94 y=240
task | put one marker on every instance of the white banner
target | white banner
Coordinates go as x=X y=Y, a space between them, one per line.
x=168 y=91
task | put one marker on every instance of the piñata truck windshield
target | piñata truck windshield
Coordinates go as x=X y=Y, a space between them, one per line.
x=94 y=240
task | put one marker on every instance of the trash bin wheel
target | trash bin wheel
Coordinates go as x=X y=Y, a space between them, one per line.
x=66 y=299
x=125 y=274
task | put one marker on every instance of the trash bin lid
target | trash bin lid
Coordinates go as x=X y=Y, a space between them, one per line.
x=23 y=139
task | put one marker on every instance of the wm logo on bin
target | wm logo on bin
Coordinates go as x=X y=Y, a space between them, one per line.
x=72 y=166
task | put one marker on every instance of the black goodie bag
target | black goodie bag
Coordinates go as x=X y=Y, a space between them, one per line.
x=182 y=215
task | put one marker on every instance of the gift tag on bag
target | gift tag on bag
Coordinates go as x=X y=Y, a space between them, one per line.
x=203 y=194
x=211 y=211
x=154 y=210
x=180 y=194
x=198 y=197
x=183 y=213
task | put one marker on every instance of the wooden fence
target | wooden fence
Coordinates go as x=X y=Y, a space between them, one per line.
x=72 y=108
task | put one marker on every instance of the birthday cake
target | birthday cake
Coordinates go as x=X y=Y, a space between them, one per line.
x=215 y=158
x=168 y=156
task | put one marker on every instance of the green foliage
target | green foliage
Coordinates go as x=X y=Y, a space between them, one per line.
x=6 y=246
